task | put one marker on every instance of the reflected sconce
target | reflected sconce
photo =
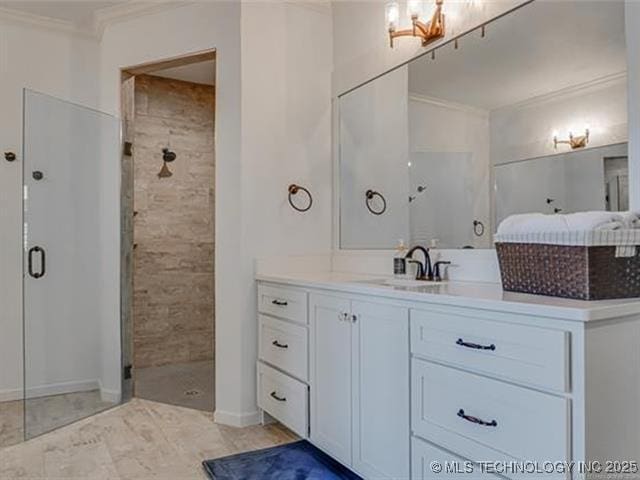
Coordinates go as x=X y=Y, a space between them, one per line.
x=428 y=32
x=575 y=142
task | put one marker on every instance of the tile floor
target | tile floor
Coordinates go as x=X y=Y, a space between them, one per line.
x=46 y=413
x=185 y=384
x=11 y=423
x=138 y=440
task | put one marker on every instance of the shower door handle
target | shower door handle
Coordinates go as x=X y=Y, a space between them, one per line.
x=43 y=262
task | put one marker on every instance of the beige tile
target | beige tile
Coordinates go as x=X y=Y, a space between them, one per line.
x=11 y=423
x=139 y=440
x=174 y=230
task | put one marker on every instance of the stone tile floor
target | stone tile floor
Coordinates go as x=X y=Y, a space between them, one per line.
x=183 y=384
x=138 y=440
x=46 y=413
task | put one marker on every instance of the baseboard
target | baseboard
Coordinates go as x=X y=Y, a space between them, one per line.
x=110 y=396
x=48 y=390
x=10 y=395
x=62 y=388
x=238 y=420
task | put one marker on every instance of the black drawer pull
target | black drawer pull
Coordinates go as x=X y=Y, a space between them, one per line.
x=280 y=399
x=276 y=343
x=280 y=303
x=462 y=343
x=476 y=420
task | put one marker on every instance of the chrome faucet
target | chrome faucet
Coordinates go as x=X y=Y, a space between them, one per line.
x=425 y=272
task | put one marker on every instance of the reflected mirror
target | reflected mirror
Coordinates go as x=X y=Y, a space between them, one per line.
x=499 y=121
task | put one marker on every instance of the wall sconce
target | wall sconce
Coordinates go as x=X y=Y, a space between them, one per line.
x=575 y=142
x=428 y=32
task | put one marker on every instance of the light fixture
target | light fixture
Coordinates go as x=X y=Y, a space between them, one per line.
x=580 y=141
x=428 y=32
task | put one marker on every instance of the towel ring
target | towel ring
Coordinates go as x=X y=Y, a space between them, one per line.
x=478 y=228
x=293 y=190
x=370 y=194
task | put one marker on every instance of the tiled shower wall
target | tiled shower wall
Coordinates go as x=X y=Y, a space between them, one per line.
x=173 y=302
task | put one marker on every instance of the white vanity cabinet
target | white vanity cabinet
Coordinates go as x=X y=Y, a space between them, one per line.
x=390 y=381
x=359 y=384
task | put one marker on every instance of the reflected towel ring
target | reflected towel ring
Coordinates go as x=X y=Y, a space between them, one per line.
x=293 y=190
x=370 y=194
x=478 y=228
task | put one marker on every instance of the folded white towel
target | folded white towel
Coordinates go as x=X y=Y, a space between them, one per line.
x=631 y=219
x=587 y=221
x=572 y=222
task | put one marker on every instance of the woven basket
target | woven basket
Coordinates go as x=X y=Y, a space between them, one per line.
x=591 y=271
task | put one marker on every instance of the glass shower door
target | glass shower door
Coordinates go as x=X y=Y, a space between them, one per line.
x=71 y=327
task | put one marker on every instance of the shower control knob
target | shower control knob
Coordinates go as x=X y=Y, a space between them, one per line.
x=37 y=175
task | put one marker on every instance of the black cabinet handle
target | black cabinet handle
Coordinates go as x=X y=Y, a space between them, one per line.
x=476 y=346
x=276 y=343
x=280 y=303
x=43 y=262
x=476 y=420
x=280 y=399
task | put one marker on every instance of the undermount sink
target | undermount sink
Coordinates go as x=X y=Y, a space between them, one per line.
x=402 y=282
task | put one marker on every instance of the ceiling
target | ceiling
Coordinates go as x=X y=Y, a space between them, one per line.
x=201 y=72
x=541 y=48
x=78 y=12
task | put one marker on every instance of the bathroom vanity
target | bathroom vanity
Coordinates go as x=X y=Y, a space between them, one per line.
x=388 y=380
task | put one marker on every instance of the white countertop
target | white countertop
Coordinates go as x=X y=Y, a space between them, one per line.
x=487 y=296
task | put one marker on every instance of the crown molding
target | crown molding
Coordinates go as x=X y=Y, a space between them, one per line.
x=17 y=16
x=438 y=102
x=104 y=17
x=571 y=91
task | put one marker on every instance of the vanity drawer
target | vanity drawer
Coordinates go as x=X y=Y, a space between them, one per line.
x=284 y=345
x=519 y=423
x=283 y=302
x=426 y=459
x=533 y=355
x=284 y=398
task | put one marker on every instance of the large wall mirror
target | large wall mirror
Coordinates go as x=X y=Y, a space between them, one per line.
x=528 y=114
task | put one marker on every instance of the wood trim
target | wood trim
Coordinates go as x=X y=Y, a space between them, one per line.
x=179 y=61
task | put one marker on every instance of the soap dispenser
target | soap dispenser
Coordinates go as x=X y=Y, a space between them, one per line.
x=399 y=260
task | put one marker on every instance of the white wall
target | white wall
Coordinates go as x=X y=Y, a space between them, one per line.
x=361 y=41
x=286 y=137
x=272 y=129
x=374 y=153
x=526 y=130
x=437 y=127
x=58 y=64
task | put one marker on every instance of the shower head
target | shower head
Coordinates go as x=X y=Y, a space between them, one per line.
x=168 y=155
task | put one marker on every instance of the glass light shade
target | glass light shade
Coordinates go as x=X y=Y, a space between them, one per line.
x=414 y=8
x=392 y=14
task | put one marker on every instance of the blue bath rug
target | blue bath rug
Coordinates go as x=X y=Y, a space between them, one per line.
x=294 y=461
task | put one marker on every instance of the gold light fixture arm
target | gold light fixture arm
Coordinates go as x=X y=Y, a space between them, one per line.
x=574 y=142
x=428 y=32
